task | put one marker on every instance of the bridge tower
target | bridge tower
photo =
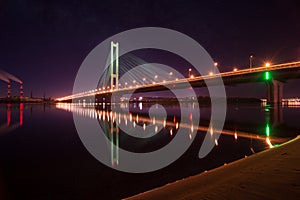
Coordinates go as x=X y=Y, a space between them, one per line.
x=114 y=65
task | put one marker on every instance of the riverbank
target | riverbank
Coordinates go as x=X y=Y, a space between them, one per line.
x=271 y=174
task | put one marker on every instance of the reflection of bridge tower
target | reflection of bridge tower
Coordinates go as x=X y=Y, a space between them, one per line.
x=114 y=65
x=114 y=142
x=110 y=127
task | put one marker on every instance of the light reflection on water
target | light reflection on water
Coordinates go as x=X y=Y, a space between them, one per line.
x=42 y=156
x=11 y=124
x=139 y=117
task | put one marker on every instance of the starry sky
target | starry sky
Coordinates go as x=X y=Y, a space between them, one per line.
x=44 y=42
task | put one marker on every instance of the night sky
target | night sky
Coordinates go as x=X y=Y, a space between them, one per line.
x=44 y=42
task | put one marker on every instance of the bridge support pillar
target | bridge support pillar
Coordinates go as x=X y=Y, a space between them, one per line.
x=275 y=91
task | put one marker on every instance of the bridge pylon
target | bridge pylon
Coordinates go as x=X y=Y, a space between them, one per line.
x=274 y=91
x=114 y=65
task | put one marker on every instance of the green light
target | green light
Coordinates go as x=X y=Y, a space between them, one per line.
x=267 y=76
x=268 y=130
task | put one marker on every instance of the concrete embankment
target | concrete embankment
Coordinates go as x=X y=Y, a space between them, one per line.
x=271 y=174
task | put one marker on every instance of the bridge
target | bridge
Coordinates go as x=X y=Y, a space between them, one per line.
x=273 y=75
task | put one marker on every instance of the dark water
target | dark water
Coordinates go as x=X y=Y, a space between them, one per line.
x=42 y=157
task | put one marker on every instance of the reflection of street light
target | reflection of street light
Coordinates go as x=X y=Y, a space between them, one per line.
x=250 y=62
x=211 y=73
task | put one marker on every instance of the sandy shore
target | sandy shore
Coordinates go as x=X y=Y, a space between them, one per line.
x=271 y=174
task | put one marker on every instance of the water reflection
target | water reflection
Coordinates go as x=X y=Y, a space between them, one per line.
x=117 y=122
x=12 y=122
x=45 y=146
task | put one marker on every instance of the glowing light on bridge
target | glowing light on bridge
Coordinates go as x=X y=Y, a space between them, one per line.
x=267 y=76
x=268 y=64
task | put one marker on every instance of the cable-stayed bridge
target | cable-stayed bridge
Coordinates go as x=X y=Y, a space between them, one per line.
x=274 y=76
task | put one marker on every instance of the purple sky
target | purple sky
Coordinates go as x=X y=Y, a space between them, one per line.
x=44 y=42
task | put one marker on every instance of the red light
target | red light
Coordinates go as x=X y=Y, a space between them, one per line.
x=21 y=113
x=8 y=114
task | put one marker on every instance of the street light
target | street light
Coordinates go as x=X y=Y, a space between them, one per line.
x=216 y=65
x=267 y=64
x=235 y=69
x=170 y=74
x=250 y=62
x=190 y=70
